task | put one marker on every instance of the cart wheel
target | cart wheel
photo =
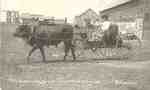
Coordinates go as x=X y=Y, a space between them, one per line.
x=113 y=53
x=128 y=49
x=134 y=46
x=136 y=43
x=122 y=50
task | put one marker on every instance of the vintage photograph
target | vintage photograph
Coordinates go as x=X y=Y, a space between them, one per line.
x=74 y=44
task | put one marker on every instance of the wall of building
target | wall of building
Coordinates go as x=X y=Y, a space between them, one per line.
x=130 y=12
x=2 y=16
x=127 y=11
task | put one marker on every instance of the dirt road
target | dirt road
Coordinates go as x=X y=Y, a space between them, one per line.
x=83 y=74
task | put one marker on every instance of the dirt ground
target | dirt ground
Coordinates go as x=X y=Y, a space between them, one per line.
x=83 y=74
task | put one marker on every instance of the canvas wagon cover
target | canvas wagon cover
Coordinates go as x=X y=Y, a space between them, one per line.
x=49 y=28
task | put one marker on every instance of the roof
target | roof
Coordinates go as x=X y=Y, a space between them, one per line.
x=88 y=10
x=29 y=16
x=116 y=4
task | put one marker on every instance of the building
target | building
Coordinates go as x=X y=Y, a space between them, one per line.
x=89 y=16
x=10 y=16
x=130 y=10
x=28 y=18
x=9 y=11
x=126 y=11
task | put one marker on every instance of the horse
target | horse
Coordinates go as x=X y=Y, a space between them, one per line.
x=46 y=35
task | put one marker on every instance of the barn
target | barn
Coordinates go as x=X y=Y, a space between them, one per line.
x=131 y=10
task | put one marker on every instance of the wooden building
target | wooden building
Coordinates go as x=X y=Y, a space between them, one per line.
x=130 y=10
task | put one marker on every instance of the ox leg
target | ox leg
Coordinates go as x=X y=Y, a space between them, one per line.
x=66 y=52
x=73 y=52
x=30 y=53
x=42 y=53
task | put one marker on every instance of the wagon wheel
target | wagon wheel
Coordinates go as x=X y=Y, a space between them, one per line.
x=134 y=45
x=128 y=48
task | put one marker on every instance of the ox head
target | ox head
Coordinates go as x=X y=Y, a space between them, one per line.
x=23 y=31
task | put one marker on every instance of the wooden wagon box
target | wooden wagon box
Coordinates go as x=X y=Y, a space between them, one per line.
x=49 y=28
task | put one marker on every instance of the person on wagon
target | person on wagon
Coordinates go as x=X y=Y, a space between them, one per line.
x=106 y=23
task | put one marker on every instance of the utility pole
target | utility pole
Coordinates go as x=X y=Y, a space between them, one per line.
x=145 y=16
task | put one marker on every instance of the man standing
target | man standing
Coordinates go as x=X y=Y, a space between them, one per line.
x=106 y=36
x=105 y=28
x=106 y=23
x=111 y=32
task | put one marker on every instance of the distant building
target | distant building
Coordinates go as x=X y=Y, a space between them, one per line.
x=130 y=10
x=28 y=18
x=89 y=16
x=11 y=17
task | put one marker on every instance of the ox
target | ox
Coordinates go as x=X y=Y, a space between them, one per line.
x=45 y=35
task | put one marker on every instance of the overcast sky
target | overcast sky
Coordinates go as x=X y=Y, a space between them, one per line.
x=56 y=8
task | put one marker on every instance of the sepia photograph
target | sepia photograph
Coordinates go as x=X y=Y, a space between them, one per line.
x=74 y=44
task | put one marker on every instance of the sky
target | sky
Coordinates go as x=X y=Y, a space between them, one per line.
x=56 y=8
